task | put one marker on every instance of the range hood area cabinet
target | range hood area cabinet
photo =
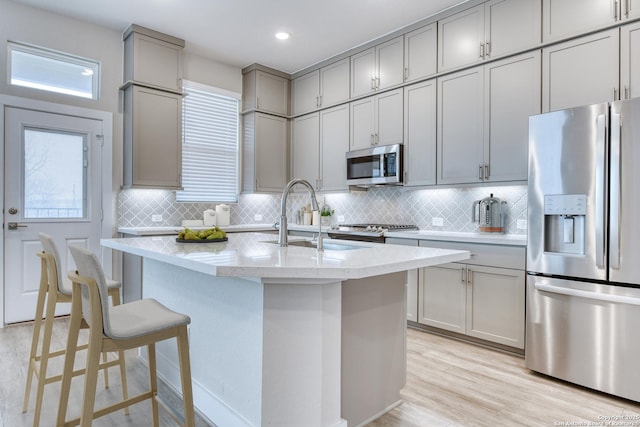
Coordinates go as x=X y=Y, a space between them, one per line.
x=152 y=110
x=152 y=138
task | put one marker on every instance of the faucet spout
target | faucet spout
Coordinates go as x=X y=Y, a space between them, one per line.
x=282 y=234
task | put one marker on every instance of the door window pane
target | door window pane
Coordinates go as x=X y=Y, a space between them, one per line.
x=54 y=174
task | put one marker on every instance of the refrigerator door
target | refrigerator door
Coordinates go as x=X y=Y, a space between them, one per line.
x=567 y=197
x=624 y=243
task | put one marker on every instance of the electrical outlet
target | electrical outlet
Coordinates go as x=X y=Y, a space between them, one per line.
x=156 y=218
x=521 y=224
x=257 y=217
x=340 y=218
x=437 y=222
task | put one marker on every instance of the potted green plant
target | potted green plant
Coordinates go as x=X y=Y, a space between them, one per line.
x=325 y=215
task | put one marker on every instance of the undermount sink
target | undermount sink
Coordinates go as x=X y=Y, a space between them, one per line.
x=328 y=246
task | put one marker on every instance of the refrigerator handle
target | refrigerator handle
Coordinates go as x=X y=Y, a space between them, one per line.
x=600 y=181
x=615 y=187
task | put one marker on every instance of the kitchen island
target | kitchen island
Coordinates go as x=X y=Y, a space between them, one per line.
x=286 y=336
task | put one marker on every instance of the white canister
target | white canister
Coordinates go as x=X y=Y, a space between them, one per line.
x=307 y=218
x=209 y=217
x=222 y=215
x=315 y=220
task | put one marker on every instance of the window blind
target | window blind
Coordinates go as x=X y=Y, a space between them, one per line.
x=210 y=128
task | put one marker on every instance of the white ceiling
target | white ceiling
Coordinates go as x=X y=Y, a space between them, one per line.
x=241 y=32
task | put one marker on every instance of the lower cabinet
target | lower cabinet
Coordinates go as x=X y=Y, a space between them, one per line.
x=483 y=298
x=412 y=280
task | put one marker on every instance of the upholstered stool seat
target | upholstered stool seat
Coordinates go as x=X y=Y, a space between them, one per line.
x=54 y=290
x=131 y=325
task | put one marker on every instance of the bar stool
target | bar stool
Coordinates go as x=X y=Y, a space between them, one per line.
x=54 y=290
x=122 y=327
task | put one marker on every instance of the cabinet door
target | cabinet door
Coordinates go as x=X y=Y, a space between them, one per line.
x=272 y=93
x=412 y=280
x=581 y=72
x=442 y=295
x=390 y=63
x=362 y=123
x=334 y=143
x=461 y=39
x=460 y=127
x=152 y=61
x=271 y=168
x=305 y=93
x=511 y=26
x=630 y=61
x=420 y=133
x=334 y=83
x=156 y=145
x=389 y=117
x=420 y=53
x=565 y=18
x=512 y=94
x=495 y=305
x=363 y=72
x=305 y=148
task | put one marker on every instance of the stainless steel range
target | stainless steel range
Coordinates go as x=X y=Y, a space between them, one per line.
x=366 y=232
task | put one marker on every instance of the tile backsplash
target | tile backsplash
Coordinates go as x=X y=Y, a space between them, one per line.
x=380 y=205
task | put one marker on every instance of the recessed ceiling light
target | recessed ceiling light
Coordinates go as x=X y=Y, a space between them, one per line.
x=282 y=35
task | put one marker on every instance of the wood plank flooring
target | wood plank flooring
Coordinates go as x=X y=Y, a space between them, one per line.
x=450 y=383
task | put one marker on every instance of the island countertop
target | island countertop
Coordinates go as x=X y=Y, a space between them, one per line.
x=258 y=255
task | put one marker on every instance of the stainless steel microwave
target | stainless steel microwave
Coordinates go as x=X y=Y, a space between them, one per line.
x=375 y=166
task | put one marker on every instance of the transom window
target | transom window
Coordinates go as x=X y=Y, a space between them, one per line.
x=210 y=127
x=45 y=69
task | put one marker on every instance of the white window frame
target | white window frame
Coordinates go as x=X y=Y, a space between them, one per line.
x=230 y=195
x=91 y=66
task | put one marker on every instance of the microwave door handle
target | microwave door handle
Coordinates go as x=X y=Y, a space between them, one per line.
x=599 y=196
x=614 y=251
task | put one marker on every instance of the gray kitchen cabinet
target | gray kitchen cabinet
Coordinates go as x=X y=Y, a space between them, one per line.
x=152 y=58
x=412 y=280
x=378 y=68
x=377 y=120
x=266 y=92
x=630 y=61
x=319 y=141
x=483 y=120
x=265 y=149
x=482 y=298
x=581 y=72
x=306 y=93
x=567 y=18
x=420 y=133
x=490 y=30
x=152 y=144
x=321 y=88
x=421 y=53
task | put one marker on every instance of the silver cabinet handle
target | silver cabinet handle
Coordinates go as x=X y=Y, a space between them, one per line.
x=615 y=10
x=600 y=195
x=487 y=49
x=626 y=8
x=480 y=173
x=469 y=276
x=486 y=171
x=320 y=101
x=463 y=276
x=14 y=225
x=626 y=92
x=373 y=83
x=614 y=254
x=377 y=82
x=615 y=94
x=373 y=141
x=481 y=50
x=406 y=73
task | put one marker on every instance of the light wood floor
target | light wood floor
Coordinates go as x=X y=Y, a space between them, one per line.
x=450 y=383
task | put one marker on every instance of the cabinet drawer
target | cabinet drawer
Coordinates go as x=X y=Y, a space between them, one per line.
x=483 y=254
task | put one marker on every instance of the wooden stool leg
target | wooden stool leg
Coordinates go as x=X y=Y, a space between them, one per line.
x=115 y=300
x=185 y=376
x=69 y=359
x=105 y=371
x=42 y=294
x=91 y=377
x=153 y=382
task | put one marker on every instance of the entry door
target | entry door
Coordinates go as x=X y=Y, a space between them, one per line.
x=52 y=185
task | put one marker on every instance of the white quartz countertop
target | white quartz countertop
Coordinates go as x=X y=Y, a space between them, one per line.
x=452 y=236
x=258 y=255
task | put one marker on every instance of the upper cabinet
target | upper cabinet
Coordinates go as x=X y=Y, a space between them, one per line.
x=489 y=30
x=152 y=58
x=377 y=120
x=566 y=18
x=630 y=61
x=321 y=88
x=582 y=71
x=378 y=68
x=265 y=91
x=420 y=53
x=420 y=133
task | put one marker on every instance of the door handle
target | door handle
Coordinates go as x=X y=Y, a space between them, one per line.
x=601 y=126
x=615 y=197
x=14 y=225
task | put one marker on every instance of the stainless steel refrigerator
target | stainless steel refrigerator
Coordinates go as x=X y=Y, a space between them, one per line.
x=583 y=248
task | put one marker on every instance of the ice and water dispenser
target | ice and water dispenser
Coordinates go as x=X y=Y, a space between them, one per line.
x=564 y=223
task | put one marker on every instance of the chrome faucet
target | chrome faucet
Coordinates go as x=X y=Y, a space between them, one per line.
x=282 y=234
